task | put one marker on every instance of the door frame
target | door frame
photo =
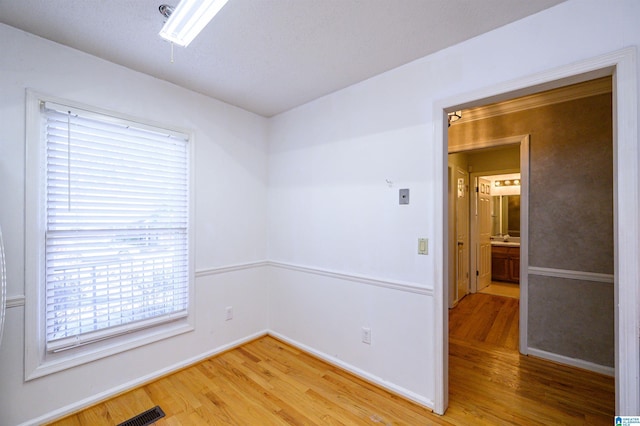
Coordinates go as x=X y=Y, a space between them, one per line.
x=523 y=144
x=524 y=220
x=621 y=66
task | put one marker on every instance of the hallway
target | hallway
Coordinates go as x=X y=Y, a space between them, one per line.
x=491 y=383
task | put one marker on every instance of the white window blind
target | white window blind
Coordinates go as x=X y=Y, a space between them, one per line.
x=116 y=240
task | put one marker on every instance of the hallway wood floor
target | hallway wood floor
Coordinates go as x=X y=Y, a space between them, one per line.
x=490 y=381
x=267 y=382
x=484 y=318
x=498 y=288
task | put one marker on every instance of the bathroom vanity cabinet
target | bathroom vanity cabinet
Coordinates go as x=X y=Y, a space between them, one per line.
x=505 y=263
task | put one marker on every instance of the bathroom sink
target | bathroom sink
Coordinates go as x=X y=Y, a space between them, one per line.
x=506 y=243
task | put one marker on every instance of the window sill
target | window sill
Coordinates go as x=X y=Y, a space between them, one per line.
x=55 y=362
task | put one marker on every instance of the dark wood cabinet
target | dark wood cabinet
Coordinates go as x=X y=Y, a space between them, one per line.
x=499 y=263
x=514 y=264
x=505 y=264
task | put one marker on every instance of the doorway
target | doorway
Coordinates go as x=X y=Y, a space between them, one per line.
x=475 y=217
x=496 y=163
x=620 y=65
x=496 y=231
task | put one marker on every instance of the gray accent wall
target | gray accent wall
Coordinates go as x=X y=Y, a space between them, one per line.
x=572 y=318
x=571 y=228
x=570 y=221
x=571 y=188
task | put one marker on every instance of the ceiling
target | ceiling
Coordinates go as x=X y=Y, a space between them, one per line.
x=268 y=56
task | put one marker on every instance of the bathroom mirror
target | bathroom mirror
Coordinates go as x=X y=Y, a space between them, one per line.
x=505 y=215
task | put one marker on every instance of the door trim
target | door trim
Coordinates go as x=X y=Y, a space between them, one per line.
x=621 y=65
x=523 y=142
x=466 y=250
x=474 y=225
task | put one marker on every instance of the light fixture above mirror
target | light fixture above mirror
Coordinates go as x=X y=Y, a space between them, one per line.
x=507 y=182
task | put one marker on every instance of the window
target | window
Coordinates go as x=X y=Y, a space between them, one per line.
x=112 y=221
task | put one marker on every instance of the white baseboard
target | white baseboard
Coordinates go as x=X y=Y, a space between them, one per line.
x=574 y=362
x=391 y=387
x=94 y=399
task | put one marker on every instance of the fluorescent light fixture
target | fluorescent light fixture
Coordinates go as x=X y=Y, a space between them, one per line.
x=189 y=18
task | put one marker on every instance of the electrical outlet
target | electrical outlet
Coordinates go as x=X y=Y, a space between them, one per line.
x=229 y=312
x=366 y=335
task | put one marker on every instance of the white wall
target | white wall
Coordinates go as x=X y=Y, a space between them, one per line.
x=330 y=209
x=230 y=200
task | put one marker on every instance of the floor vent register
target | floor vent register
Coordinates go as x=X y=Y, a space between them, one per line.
x=144 y=419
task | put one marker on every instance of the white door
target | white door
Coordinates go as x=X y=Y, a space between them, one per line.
x=483 y=257
x=462 y=233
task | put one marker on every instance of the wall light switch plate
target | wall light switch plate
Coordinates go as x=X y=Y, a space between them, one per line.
x=423 y=246
x=366 y=335
x=404 y=196
x=229 y=313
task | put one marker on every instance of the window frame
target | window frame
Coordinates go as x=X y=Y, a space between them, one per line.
x=38 y=361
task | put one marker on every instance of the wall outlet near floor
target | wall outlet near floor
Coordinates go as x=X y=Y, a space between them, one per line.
x=366 y=335
x=229 y=313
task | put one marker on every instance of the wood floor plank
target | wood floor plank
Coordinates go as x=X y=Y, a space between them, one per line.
x=297 y=381
x=130 y=405
x=268 y=382
x=263 y=397
x=97 y=415
x=373 y=404
x=506 y=316
x=240 y=398
x=490 y=379
x=294 y=398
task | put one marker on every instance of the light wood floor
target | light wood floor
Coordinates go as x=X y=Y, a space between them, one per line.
x=498 y=288
x=490 y=381
x=484 y=318
x=267 y=382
